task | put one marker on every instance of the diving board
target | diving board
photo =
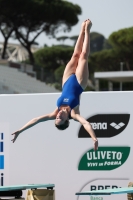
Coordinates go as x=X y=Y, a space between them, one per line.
x=16 y=190
x=107 y=191
x=24 y=187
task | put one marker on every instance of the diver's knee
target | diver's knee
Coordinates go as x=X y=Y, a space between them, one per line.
x=83 y=55
x=76 y=55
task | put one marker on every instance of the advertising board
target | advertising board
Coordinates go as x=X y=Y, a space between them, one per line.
x=43 y=154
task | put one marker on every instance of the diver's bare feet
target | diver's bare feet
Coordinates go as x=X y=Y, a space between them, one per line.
x=88 y=24
x=83 y=26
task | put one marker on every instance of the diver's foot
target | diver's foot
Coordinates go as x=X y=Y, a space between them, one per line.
x=88 y=24
x=83 y=26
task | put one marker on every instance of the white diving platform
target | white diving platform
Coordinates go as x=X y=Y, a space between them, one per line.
x=16 y=190
x=107 y=191
x=25 y=187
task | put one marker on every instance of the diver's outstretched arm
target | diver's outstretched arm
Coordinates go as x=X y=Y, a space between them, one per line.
x=87 y=127
x=33 y=122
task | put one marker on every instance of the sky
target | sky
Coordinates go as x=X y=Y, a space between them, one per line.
x=107 y=16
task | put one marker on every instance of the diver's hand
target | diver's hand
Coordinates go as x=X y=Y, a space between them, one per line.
x=95 y=145
x=15 y=134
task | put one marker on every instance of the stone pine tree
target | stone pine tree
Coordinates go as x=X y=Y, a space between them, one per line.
x=30 y=18
x=6 y=31
x=122 y=42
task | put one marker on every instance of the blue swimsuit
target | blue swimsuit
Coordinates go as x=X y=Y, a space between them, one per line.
x=70 y=93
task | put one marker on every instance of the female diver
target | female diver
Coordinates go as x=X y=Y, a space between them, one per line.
x=74 y=82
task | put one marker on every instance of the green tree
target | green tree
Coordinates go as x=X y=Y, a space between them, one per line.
x=30 y=18
x=74 y=38
x=62 y=38
x=58 y=77
x=6 y=32
x=122 y=41
x=96 y=42
x=105 y=60
x=106 y=44
x=120 y=51
x=52 y=59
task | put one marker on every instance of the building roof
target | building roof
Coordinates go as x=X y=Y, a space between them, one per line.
x=115 y=76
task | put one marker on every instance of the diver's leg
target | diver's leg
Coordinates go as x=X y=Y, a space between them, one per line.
x=82 y=71
x=72 y=64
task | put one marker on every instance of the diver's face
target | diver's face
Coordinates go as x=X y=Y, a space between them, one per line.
x=61 y=117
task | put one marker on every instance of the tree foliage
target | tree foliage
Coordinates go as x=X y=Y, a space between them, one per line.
x=107 y=44
x=105 y=60
x=6 y=31
x=29 y=18
x=96 y=42
x=53 y=61
x=62 y=38
x=121 y=51
x=122 y=39
x=58 y=73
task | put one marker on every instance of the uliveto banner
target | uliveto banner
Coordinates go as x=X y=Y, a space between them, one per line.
x=106 y=158
x=43 y=154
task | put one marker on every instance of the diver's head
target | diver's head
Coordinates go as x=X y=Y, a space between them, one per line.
x=62 y=119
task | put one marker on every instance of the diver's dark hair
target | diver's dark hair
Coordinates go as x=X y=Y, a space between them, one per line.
x=63 y=126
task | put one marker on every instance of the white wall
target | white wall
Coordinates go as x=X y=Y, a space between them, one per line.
x=44 y=154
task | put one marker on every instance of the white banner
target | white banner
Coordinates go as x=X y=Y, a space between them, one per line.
x=44 y=154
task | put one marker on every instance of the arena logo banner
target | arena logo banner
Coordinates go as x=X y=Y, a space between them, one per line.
x=106 y=125
x=106 y=158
